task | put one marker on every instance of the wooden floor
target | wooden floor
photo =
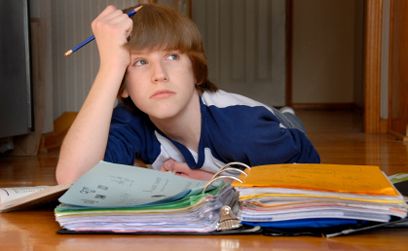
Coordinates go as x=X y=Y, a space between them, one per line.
x=337 y=136
x=339 y=139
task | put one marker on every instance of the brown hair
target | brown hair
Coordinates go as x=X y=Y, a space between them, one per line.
x=159 y=27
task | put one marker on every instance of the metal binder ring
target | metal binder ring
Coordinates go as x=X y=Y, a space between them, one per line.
x=236 y=163
x=228 y=167
x=219 y=178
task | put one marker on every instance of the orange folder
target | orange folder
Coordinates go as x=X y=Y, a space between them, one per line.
x=359 y=179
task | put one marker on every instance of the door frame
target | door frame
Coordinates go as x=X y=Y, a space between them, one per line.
x=372 y=67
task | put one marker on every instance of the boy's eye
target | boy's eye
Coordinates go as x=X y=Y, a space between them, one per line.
x=140 y=62
x=173 y=56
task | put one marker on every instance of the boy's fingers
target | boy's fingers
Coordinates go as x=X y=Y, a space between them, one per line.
x=107 y=11
x=167 y=165
x=116 y=16
x=122 y=19
x=104 y=13
x=181 y=168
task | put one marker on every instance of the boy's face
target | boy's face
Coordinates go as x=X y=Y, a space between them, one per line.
x=160 y=83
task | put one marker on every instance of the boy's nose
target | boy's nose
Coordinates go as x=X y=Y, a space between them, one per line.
x=159 y=73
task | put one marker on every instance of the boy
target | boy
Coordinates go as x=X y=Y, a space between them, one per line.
x=170 y=116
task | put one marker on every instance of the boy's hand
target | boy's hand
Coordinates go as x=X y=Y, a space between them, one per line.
x=183 y=169
x=111 y=29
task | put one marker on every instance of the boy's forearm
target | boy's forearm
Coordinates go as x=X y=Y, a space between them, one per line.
x=85 y=142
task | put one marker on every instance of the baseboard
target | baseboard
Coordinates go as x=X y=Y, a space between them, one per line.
x=399 y=136
x=326 y=106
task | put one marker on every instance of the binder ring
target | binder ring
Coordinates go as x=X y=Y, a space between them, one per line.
x=219 y=178
x=227 y=167
x=236 y=163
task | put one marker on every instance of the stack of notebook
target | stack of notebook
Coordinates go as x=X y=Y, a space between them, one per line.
x=275 y=199
x=127 y=199
x=317 y=195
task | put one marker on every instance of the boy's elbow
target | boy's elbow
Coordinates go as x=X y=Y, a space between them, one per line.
x=63 y=179
x=64 y=176
x=315 y=158
x=311 y=156
x=306 y=154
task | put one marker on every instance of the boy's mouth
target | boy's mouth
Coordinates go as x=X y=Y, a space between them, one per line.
x=162 y=94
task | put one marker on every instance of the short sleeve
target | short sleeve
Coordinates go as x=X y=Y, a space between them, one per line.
x=131 y=136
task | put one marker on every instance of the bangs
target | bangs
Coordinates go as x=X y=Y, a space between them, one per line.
x=157 y=27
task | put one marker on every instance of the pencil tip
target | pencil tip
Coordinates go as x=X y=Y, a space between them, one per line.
x=69 y=52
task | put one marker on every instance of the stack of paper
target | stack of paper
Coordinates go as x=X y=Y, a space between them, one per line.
x=120 y=198
x=296 y=192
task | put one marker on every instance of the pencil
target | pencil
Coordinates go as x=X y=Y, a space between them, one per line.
x=92 y=37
